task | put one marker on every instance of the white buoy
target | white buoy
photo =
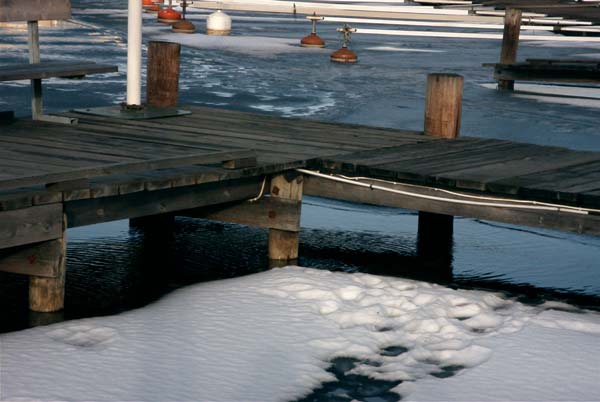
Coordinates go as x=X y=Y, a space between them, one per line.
x=218 y=23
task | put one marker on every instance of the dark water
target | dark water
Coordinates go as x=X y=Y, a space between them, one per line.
x=113 y=268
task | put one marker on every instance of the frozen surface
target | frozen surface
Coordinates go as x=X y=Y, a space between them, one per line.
x=271 y=337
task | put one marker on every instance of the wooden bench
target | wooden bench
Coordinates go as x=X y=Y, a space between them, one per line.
x=33 y=11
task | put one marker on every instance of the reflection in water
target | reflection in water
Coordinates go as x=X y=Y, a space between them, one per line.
x=113 y=267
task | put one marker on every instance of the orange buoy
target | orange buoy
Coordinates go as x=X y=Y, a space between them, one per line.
x=154 y=8
x=313 y=40
x=184 y=26
x=168 y=15
x=345 y=55
x=150 y=6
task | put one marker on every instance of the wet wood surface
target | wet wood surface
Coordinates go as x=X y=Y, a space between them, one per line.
x=15 y=72
x=105 y=169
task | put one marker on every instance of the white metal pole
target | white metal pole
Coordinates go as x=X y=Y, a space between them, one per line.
x=134 y=53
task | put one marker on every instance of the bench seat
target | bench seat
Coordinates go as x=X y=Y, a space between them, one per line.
x=50 y=69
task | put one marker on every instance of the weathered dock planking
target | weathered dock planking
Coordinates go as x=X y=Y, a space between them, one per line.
x=218 y=164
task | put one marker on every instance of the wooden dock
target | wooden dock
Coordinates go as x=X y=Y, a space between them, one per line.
x=253 y=169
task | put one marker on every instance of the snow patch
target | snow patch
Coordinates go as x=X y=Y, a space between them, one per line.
x=272 y=336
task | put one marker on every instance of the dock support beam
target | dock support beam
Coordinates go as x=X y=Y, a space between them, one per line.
x=47 y=294
x=443 y=108
x=162 y=84
x=510 y=43
x=283 y=244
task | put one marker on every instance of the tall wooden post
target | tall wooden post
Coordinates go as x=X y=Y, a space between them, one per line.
x=162 y=85
x=283 y=244
x=162 y=90
x=47 y=294
x=443 y=108
x=510 y=43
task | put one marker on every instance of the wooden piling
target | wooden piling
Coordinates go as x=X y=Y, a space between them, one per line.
x=443 y=105
x=510 y=43
x=162 y=84
x=47 y=294
x=162 y=90
x=443 y=109
x=283 y=244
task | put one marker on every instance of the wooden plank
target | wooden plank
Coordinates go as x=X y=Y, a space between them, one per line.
x=419 y=151
x=43 y=70
x=217 y=136
x=267 y=212
x=291 y=128
x=562 y=61
x=52 y=157
x=26 y=197
x=30 y=225
x=559 y=73
x=113 y=149
x=92 y=211
x=436 y=167
x=117 y=168
x=582 y=224
x=34 y=10
x=282 y=127
x=33 y=259
x=65 y=154
x=496 y=176
x=552 y=185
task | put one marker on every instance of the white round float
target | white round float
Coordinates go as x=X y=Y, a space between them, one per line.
x=218 y=23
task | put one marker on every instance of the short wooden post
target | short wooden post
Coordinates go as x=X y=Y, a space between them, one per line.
x=443 y=105
x=283 y=244
x=443 y=108
x=162 y=85
x=510 y=43
x=47 y=294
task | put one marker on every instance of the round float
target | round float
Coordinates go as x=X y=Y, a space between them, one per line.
x=169 y=16
x=218 y=23
x=184 y=26
x=312 y=40
x=344 y=55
